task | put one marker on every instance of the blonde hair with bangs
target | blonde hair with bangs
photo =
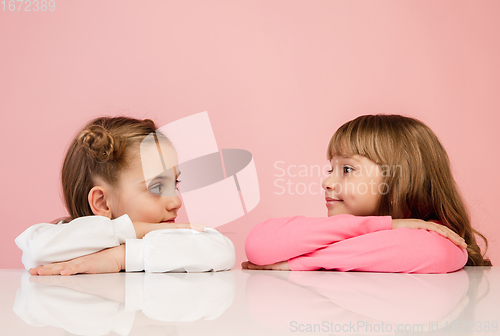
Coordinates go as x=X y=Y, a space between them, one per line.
x=422 y=186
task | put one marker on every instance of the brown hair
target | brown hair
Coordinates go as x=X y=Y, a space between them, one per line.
x=420 y=184
x=101 y=149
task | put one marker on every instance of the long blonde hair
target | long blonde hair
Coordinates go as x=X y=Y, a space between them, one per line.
x=101 y=149
x=419 y=182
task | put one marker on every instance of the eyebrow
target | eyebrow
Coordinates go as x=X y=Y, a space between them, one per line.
x=159 y=177
x=352 y=158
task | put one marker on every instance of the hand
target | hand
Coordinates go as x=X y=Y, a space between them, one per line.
x=142 y=228
x=279 y=266
x=110 y=260
x=438 y=228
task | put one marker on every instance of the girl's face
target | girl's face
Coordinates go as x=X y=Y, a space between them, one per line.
x=353 y=187
x=145 y=191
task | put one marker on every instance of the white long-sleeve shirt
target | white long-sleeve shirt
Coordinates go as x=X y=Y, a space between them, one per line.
x=167 y=250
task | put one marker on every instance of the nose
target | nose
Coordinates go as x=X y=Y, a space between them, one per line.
x=173 y=203
x=328 y=183
x=331 y=183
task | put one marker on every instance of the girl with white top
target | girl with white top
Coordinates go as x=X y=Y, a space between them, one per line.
x=119 y=217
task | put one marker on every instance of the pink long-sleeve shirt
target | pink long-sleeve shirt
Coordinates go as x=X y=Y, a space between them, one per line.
x=351 y=243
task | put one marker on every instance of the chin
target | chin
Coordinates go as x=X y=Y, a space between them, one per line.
x=334 y=213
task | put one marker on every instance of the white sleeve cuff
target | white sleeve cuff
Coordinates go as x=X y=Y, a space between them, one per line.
x=124 y=228
x=187 y=250
x=134 y=255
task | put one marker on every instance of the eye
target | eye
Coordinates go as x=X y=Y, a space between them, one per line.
x=177 y=184
x=346 y=169
x=156 y=189
x=330 y=171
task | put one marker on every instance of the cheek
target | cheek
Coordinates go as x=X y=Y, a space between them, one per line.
x=361 y=195
x=372 y=198
x=378 y=187
x=149 y=207
x=345 y=189
x=142 y=209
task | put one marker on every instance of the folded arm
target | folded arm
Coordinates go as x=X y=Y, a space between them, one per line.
x=180 y=250
x=279 y=239
x=396 y=251
x=167 y=250
x=47 y=243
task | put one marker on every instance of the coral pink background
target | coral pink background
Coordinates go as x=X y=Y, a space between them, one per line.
x=276 y=77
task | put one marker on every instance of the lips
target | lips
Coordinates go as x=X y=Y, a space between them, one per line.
x=330 y=202
x=171 y=220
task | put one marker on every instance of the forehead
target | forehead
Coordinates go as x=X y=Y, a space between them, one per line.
x=355 y=158
x=157 y=157
x=151 y=158
x=352 y=159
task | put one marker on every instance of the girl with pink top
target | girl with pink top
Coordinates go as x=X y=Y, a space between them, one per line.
x=393 y=206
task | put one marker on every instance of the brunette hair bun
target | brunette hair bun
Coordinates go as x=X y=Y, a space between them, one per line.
x=98 y=143
x=150 y=122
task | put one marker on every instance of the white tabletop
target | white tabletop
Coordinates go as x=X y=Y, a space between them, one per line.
x=242 y=302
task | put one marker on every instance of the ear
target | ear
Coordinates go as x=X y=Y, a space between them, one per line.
x=99 y=202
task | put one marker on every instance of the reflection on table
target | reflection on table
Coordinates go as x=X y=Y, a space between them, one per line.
x=244 y=302
x=99 y=304
x=357 y=302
